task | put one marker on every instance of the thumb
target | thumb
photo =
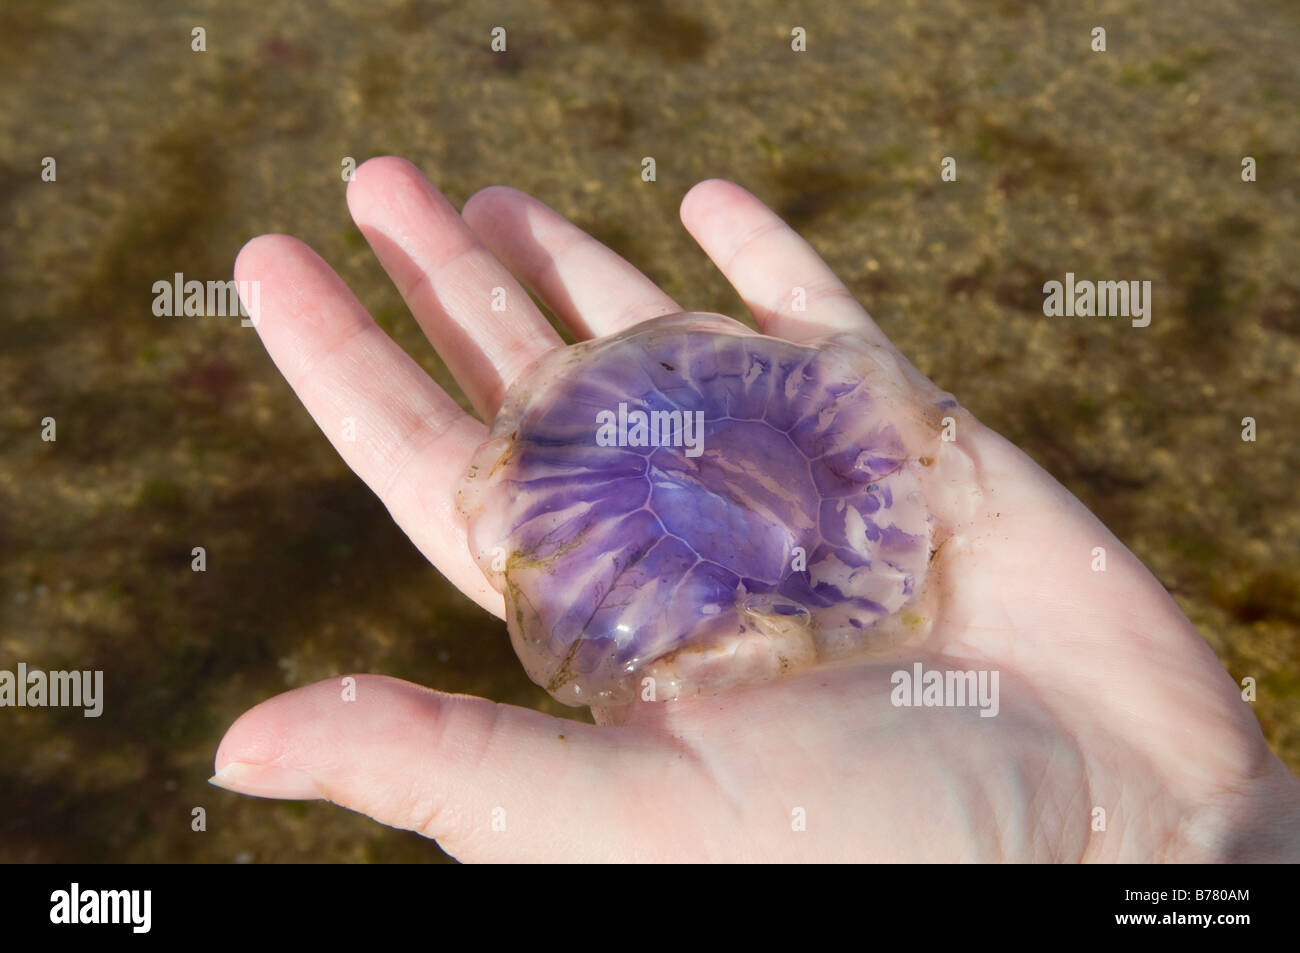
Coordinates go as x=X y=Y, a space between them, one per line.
x=489 y=782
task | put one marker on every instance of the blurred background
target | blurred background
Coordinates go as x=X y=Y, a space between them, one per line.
x=176 y=432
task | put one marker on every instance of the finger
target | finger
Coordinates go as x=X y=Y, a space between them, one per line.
x=396 y=429
x=767 y=263
x=593 y=290
x=489 y=782
x=481 y=322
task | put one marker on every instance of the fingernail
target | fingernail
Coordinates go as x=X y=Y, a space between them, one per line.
x=265 y=780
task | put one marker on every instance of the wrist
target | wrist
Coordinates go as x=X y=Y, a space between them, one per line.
x=1258 y=822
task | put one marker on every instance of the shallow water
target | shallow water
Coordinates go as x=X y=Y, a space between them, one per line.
x=178 y=432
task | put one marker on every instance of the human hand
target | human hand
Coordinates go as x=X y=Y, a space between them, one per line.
x=1109 y=698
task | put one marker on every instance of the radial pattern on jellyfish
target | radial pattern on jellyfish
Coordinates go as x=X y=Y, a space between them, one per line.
x=690 y=505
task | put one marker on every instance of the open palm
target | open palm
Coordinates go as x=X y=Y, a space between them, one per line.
x=1118 y=735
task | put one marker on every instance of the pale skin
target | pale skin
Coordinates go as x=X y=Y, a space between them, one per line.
x=1110 y=700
